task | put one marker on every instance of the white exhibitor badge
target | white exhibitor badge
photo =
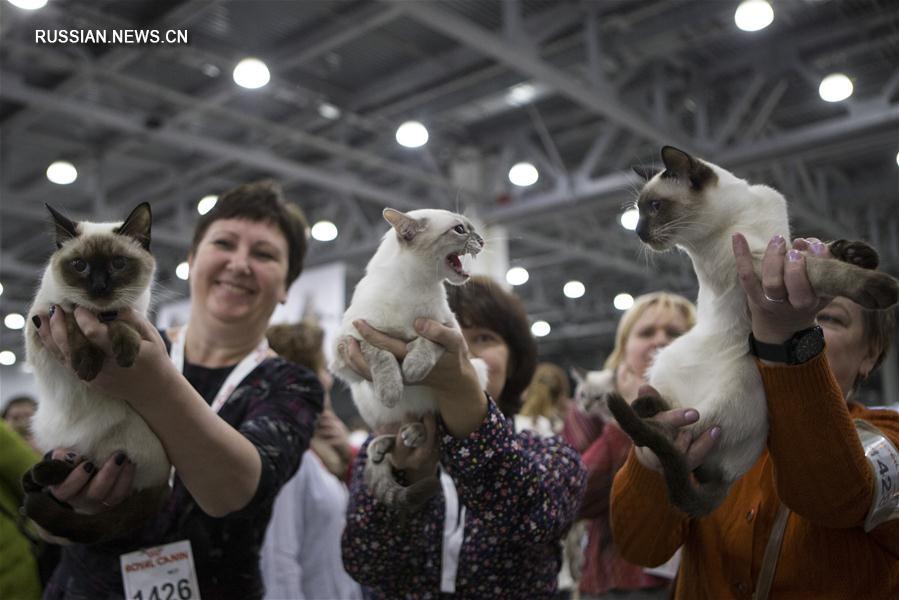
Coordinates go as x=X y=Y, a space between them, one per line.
x=161 y=573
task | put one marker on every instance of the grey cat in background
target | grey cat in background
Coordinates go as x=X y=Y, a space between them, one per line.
x=103 y=267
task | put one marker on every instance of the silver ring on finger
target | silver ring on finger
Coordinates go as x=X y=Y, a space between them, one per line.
x=775 y=300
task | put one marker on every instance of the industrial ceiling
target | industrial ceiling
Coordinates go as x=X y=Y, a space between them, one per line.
x=581 y=89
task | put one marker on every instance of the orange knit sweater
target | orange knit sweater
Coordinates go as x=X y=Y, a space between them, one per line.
x=814 y=464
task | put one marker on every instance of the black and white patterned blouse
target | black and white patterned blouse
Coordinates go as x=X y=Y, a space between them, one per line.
x=275 y=407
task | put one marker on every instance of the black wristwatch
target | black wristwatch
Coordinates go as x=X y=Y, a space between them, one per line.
x=800 y=348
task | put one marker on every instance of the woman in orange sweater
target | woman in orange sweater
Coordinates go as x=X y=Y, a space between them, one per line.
x=814 y=465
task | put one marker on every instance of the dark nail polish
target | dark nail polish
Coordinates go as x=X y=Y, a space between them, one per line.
x=89 y=467
x=107 y=316
x=37 y=321
x=120 y=458
x=52 y=309
x=70 y=457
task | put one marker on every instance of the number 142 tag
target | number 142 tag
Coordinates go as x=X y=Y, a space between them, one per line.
x=161 y=573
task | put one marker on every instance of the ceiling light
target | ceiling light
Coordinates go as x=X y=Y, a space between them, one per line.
x=29 y=4
x=251 y=73
x=897 y=163
x=324 y=231
x=623 y=301
x=206 y=203
x=182 y=271
x=835 y=87
x=523 y=174
x=1 y=285
x=629 y=218
x=62 y=172
x=517 y=276
x=754 y=15
x=14 y=321
x=574 y=289
x=521 y=94
x=7 y=358
x=328 y=111
x=412 y=134
x=540 y=328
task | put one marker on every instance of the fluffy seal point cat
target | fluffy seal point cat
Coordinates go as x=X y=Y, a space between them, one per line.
x=104 y=267
x=404 y=281
x=697 y=206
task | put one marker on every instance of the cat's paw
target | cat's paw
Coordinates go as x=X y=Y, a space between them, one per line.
x=379 y=448
x=125 y=343
x=413 y=435
x=876 y=291
x=416 y=368
x=389 y=392
x=855 y=253
x=49 y=472
x=87 y=362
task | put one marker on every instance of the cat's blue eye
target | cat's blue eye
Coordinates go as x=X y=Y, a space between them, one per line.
x=79 y=265
x=654 y=206
x=459 y=229
x=119 y=262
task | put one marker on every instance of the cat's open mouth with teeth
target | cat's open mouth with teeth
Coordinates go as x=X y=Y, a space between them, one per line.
x=455 y=263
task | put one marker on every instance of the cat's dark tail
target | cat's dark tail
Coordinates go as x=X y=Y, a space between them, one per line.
x=695 y=499
x=384 y=487
x=62 y=521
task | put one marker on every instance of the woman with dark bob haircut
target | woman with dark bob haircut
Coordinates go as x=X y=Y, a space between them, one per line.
x=233 y=417
x=503 y=495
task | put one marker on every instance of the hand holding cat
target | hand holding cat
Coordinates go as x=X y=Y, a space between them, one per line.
x=92 y=491
x=121 y=382
x=460 y=399
x=695 y=450
x=782 y=301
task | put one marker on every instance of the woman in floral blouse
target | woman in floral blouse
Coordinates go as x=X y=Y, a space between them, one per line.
x=506 y=499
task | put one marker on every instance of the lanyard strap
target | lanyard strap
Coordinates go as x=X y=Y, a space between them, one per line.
x=237 y=374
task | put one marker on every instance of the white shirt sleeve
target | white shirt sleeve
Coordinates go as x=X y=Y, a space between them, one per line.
x=280 y=560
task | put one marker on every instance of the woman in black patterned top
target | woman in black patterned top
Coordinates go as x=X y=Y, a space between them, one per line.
x=231 y=461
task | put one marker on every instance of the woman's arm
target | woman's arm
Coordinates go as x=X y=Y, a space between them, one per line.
x=460 y=399
x=820 y=468
x=219 y=466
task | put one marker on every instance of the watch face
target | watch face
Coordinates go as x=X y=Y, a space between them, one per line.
x=808 y=345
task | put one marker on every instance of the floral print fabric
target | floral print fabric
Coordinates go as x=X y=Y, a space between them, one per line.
x=521 y=493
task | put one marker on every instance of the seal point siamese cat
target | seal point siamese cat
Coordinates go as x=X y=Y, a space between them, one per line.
x=404 y=281
x=104 y=267
x=697 y=206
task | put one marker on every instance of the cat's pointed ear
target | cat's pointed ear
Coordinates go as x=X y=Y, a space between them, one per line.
x=137 y=225
x=686 y=168
x=645 y=173
x=579 y=374
x=676 y=161
x=65 y=228
x=406 y=227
